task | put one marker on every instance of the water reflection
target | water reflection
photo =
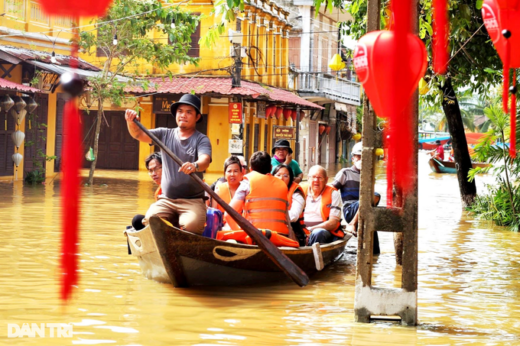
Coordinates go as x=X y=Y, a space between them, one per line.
x=468 y=282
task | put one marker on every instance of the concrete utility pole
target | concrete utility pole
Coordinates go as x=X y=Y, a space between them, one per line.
x=237 y=70
x=373 y=302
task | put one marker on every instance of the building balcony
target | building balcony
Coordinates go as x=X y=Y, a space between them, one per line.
x=319 y=86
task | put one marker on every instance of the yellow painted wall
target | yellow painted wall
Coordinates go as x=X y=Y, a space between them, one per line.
x=219 y=134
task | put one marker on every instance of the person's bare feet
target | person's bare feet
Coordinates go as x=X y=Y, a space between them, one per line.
x=352 y=229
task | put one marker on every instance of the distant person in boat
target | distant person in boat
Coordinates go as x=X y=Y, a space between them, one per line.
x=233 y=173
x=154 y=167
x=296 y=199
x=282 y=154
x=322 y=215
x=438 y=153
x=347 y=181
x=182 y=199
x=261 y=197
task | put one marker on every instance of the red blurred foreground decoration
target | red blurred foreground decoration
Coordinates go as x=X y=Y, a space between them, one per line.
x=502 y=21
x=72 y=148
x=390 y=64
x=440 y=36
x=85 y=8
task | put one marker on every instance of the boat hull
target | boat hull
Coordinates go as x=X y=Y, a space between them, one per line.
x=168 y=254
x=438 y=166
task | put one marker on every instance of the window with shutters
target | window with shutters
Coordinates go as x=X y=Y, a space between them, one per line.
x=194 y=51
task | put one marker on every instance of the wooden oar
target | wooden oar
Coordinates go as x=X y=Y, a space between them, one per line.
x=271 y=251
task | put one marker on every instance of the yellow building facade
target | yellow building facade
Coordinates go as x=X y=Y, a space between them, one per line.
x=262 y=31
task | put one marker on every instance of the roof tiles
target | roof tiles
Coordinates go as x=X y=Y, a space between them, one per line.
x=204 y=85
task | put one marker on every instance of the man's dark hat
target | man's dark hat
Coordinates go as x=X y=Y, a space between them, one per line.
x=437 y=142
x=282 y=143
x=187 y=99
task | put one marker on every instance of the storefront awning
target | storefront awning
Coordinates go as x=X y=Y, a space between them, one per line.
x=214 y=85
x=8 y=85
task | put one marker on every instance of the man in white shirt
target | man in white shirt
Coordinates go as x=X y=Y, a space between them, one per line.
x=322 y=214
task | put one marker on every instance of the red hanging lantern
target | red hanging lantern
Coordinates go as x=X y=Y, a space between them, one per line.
x=389 y=65
x=327 y=129
x=302 y=115
x=268 y=112
x=293 y=115
x=373 y=55
x=279 y=112
x=321 y=129
x=92 y=8
x=287 y=113
x=502 y=21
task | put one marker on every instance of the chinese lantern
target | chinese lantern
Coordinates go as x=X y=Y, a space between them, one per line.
x=423 y=87
x=336 y=63
x=5 y=104
x=279 y=112
x=321 y=129
x=18 y=137
x=356 y=137
x=293 y=115
x=31 y=104
x=390 y=64
x=268 y=112
x=327 y=129
x=287 y=113
x=18 y=116
x=502 y=21
x=17 y=158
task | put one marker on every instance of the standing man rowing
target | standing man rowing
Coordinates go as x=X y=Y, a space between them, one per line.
x=181 y=201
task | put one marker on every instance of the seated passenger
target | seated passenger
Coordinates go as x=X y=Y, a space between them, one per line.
x=261 y=197
x=154 y=166
x=233 y=173
x=322 y=214
x=296 y=201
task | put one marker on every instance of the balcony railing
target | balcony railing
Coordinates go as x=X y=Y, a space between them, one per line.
x=37 y=15
x=340 y=89
x=15 y=9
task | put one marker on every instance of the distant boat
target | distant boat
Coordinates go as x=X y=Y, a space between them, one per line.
x=438 y=166
x=168 y=254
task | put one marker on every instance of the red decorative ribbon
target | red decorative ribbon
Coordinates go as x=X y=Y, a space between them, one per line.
x=70 y=191
x=512 y=119
x=440 y=36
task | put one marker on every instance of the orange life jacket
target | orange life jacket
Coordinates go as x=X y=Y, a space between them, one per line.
x=290 y=195
x=241 y=236
x=225 y=194
x=157 y=193
x=326 y=205
x=266 y=203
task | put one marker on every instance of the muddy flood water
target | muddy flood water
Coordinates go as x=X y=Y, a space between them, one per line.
x=469 y=288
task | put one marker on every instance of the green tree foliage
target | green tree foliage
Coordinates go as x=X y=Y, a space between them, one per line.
x=133 y=23
x=502 y=202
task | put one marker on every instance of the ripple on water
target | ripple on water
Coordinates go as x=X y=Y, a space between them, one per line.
x=468 y=279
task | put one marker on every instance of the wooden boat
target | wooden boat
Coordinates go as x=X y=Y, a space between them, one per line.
x=439 y=166
x=170 y=255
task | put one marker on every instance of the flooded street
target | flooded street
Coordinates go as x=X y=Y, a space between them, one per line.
x=469 y=287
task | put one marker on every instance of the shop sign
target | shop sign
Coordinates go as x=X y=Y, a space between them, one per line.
x=162 y=104
x=235 y=113
x=284 y=132
x=260 y=109
x=236 y=146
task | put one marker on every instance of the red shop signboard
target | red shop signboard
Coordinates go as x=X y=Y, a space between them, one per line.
x=235 y=113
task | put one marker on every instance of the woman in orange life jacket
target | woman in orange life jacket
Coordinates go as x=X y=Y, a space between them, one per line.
x=296 y=200
x=234 y=174
x=154 y=166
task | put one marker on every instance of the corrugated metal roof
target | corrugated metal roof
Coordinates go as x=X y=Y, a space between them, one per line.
x=29 y=55
x=5 y=84
x=203 y=85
